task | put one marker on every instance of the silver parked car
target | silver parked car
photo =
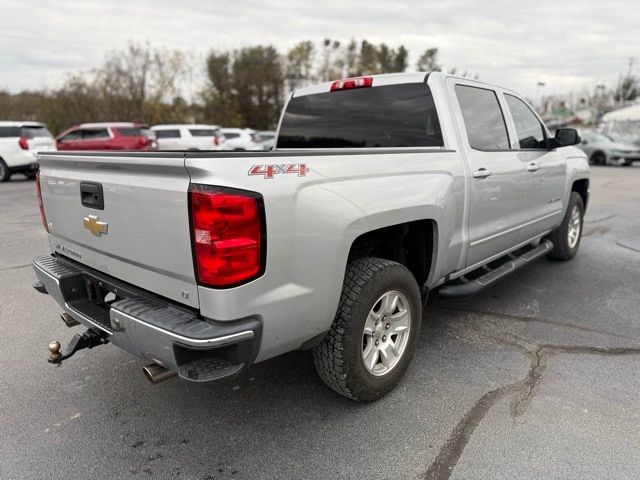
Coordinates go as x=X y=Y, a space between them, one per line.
x=602 y=150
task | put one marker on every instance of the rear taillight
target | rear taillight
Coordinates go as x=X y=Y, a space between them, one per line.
x=43 y=217
x=24 y=144
x=216 y=140
x=227 y=229
x=349 y=83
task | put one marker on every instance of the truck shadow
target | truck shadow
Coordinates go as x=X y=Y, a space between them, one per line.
x=279 y=415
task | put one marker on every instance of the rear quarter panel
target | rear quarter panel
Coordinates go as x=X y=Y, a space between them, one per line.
x=312 y=221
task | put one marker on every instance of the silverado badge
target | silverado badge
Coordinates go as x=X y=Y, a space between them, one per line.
x=95 y=226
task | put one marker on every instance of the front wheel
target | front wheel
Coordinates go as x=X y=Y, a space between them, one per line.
x=566 y=238
x=371 y=341
x=598 y=158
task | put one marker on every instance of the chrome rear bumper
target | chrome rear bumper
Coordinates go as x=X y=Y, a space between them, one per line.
x=145 y=325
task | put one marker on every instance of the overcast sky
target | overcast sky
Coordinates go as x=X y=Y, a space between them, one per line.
x=569 y=45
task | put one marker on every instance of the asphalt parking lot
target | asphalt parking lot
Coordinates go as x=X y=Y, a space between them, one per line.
x=535 y=378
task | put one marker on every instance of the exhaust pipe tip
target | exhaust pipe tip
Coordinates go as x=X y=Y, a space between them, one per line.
x=156 y=373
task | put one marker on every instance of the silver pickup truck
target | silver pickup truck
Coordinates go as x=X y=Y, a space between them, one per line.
x=380 y=190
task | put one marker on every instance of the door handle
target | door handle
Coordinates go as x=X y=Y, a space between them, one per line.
x=532 y=167
x=482 y=173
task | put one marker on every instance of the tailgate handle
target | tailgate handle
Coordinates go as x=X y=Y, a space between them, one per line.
x=91 y=195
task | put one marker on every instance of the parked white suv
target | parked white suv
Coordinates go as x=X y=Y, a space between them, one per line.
x=189 y=137
x=242 y=139
x=19 y=144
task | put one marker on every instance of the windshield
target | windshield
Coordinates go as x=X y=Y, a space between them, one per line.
x=624 y=131
x=388 y=116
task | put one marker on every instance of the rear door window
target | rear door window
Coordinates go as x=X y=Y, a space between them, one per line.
x=167 y=133
x=402 y=115
x=201 y=132
x=94 y=133
x=6 y=132
x=231 y=135
x=529 y=129
x=483 y=119
x=130 y=131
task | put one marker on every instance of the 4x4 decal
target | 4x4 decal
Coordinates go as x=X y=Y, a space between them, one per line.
x=268 y=171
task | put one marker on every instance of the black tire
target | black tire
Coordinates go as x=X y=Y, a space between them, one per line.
x=31 y=174
x=562 y=249
x=5 y=173
x=599 y=158
x=338 y=359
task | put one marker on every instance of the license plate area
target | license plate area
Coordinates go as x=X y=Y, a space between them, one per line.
x=102 y=293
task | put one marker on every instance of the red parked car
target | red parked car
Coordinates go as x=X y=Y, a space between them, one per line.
x=107 y=136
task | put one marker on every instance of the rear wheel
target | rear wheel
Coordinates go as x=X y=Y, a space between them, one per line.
x=599 y=158
x=5 y=173
x=375 y=331
x=566 y=238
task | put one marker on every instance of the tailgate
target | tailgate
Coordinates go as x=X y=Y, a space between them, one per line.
x=141 y=233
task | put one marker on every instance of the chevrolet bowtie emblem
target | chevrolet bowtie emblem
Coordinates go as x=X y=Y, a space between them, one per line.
x=95 y=226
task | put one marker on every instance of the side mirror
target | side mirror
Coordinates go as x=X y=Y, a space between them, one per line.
x=566 y=136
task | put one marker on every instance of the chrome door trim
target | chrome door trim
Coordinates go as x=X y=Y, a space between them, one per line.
x=517 y=227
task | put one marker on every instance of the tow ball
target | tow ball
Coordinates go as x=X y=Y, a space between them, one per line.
x=88 y=339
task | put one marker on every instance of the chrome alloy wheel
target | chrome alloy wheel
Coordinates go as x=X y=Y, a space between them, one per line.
x=575 y=225
x=386 y=333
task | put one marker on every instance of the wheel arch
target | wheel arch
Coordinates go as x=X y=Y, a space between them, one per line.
x=581 y=186
x=413 y=244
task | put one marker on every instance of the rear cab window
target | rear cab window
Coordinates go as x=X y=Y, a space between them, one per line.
x=401 y=115
x=483 y=118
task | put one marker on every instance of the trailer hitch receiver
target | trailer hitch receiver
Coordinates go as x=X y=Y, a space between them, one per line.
x=88 y=339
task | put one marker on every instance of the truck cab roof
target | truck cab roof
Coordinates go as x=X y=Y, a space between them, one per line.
x=395 y=79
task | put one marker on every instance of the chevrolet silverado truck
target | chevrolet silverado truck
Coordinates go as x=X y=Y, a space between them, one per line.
x=381 y=189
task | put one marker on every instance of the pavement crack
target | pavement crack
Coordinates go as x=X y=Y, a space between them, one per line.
x=592 y=350
x=545 y=321
x=447 y=459
x=602 y=219
x=15 y=267
x=620 y=244
x=523 y=392
x=526 y=391
x=595 y=231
